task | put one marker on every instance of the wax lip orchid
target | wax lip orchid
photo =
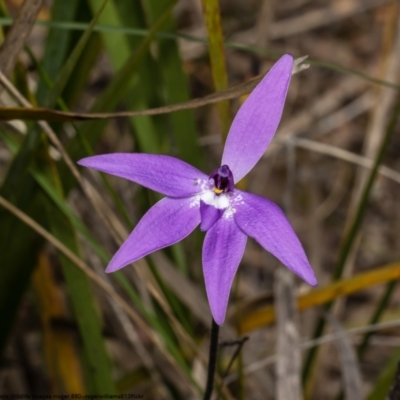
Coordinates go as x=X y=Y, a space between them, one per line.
x=227 y=214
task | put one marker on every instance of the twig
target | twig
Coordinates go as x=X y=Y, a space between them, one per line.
x=239 y=343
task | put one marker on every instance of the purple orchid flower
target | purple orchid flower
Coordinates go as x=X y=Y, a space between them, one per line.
x=227 y=214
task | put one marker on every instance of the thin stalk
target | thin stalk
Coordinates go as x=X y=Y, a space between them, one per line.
x=212 y=359
x=239 y=343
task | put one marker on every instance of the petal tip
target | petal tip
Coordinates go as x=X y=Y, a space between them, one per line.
x=218 y=311
x=313 y=281
x=114 y=265
x=110 y=269
x=219 y=319
x=306 y=273
x=84 y=161
x=257 y=120
x=310 y=278
x=285 y=64
x=287 y=57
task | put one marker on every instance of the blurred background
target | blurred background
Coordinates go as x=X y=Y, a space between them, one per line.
x=67 y=328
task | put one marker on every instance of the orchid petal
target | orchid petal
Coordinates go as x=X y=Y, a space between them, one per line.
x=209 y=215
x=167 y=222
x=264 y=221
x=164 y=174
x=257 y=120
x=223 y=249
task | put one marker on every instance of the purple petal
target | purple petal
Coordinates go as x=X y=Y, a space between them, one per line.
x=257 y=120
x=164 y=174
x=209 y=215
x=223 y=249
x=264 y=221
x=167 y=222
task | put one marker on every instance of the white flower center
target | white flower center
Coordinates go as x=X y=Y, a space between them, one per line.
x=220 y=201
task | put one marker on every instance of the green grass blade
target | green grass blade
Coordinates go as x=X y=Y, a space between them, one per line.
x=228 y=44
x=126 y=80
x=18 y=249
x=19 y=244
x=62 y=104
x=57 y=43
x=77 y=282
x=63 y=207
x=217 y=57
x=176 y=90
x=83 y=305
x=385 y=379
x=69 y=65
x=51 y=191
x=158 y=326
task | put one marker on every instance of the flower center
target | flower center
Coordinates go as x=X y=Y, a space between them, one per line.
x=223 y=180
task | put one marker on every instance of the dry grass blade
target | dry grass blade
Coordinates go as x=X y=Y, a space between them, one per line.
x=266 y=315
x=61 y=355
x=117 y=230
x=310 y=20
x=106 y=214
x=288 y=364
x=75 y=259
x=35 y=114
x=107 y=288
x=133 y=338
x=155 y=290
x=45 y=114
x=17 y=35
x=379 y=120
x=354 y=331
x=326 y=103
x=192 y=296
x=115 y=227
x=348 y=113
x=255 y=366
x=386 y=97
x=345 y=155
x=157 y=340
x=263 y=24
x=323 y=16
x=350 y=370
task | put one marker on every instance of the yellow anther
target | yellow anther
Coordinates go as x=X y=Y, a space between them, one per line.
x=217 y=191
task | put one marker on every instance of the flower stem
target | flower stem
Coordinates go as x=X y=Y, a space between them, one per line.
x=212 y=360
